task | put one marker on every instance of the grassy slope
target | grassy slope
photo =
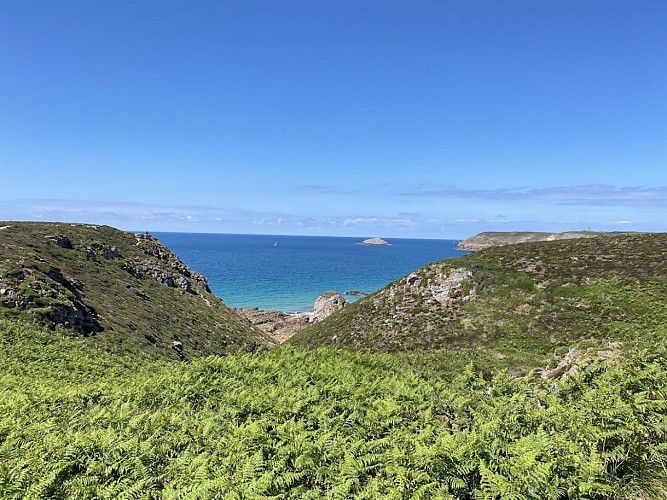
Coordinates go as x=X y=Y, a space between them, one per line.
x=80 y=423
x=137 y=314
x=532 y=299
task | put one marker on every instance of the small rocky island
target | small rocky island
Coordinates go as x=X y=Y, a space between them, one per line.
x=374 y=241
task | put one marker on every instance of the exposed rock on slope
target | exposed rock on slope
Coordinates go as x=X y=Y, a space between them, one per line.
x=428 y=299
x=490 y=239
x=327 y=304
x=127 y=291
x=575 y=360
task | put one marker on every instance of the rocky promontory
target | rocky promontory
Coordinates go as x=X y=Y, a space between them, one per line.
x=492 y=239
x=327 y=304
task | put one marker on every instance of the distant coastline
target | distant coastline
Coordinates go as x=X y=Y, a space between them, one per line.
x=491 y=239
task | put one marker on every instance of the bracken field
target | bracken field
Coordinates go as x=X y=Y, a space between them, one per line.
x=77 y=422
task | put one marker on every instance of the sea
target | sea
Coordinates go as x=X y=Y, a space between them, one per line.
x=288 y=273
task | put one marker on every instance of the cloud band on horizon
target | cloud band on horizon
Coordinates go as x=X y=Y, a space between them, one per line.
x=592 y=194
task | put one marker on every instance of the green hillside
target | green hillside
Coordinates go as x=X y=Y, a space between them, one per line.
x=312 y=424
x=532 y=371
x=518 y=303
x=125 y=291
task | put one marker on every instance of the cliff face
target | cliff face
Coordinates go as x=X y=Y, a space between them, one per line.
x=490 y=239
x=127 y=291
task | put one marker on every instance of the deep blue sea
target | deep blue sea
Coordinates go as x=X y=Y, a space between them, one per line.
x=287 y=273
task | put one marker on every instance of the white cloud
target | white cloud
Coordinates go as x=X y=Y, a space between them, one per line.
x=590 y=194
x=360 y=221
x=140 y=217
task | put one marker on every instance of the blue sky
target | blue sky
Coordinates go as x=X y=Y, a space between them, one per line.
x=434 y=119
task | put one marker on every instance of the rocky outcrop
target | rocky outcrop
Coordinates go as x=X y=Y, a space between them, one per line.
x=140 y=268
x=491 y=239
x=177 y=346
x=168 y=269
x=76 y=316
x=575 y=360
x=441 y=291
x=49 y=294
x=107 y=252
x=327 y=304
x=374 y=241
x=414 y=312
x=281 y=326
x=61 y=241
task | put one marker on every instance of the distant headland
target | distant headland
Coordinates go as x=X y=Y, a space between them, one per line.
x=490 y=239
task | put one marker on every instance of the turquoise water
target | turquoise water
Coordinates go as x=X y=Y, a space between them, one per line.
x=288 y=273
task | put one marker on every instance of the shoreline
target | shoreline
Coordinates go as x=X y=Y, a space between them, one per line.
x=279 y=325
x=350 y=296
x=283 y=325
